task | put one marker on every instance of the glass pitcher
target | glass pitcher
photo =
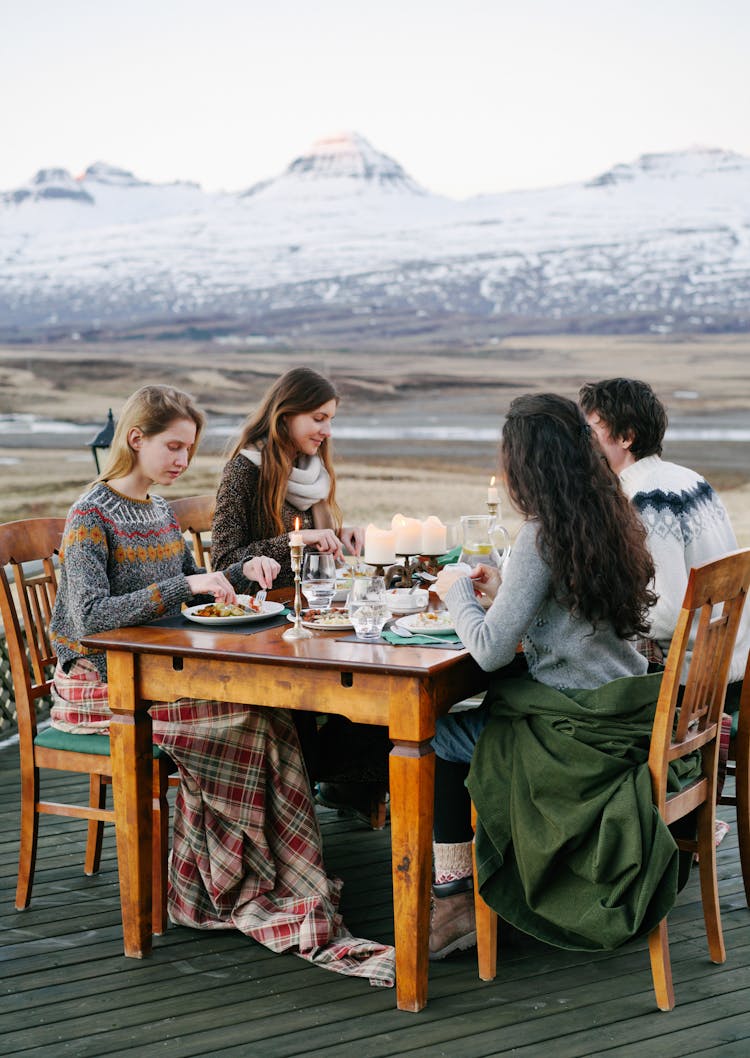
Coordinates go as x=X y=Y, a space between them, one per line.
x=483 y=540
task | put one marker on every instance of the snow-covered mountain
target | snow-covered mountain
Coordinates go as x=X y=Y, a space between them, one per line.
x=345 y=242
x=340 y=164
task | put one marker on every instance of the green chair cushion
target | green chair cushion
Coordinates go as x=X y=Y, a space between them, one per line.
x=51 y=738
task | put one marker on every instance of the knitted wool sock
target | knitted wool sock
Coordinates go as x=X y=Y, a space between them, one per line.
x=452 y=861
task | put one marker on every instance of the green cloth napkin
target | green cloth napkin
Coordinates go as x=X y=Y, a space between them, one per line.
x=450 y=556
x=419 y=641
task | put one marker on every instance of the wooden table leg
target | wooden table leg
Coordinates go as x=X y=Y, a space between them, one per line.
x=412 y=775
x=132 y=764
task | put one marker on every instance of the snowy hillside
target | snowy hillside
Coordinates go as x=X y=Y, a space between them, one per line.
x=344 y=237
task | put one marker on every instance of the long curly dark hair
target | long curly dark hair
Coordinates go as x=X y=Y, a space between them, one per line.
x=590 y=535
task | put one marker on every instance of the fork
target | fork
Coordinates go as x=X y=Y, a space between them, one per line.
x=260 y=596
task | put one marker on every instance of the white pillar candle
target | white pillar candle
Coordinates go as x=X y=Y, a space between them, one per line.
x=295 y=538
x=492 y=496
x=408 y=534
x=380 y=546
x=434 y=536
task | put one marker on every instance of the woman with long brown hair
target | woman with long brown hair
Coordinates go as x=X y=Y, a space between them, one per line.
x=570 y=847
x=280 y=471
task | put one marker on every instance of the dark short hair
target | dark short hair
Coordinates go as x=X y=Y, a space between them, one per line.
x=630 y=408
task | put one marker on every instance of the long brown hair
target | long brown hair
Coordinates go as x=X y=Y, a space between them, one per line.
x=295 y=392
x=590 y=535
x=152 y=409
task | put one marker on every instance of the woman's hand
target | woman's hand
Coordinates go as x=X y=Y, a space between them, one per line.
x=262 y=569
x=446 y=578
x=323 y=540
x=353 y=538
x=487 y=579
x=215 y=584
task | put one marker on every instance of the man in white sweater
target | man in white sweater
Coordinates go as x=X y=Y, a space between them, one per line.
x=686 y=521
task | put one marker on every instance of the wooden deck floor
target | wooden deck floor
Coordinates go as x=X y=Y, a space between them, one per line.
x=68 y=990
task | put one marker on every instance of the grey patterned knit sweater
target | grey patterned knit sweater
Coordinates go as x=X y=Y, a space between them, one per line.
x=561 y=650
x=123 y=562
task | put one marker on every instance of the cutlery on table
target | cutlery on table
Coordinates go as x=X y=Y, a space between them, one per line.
x=404 y=633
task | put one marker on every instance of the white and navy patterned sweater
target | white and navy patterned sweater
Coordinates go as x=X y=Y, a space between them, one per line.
x=687 y=525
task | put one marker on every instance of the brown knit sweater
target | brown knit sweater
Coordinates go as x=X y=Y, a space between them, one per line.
x=239 y=531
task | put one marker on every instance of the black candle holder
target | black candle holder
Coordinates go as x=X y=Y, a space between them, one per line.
x=404 y=571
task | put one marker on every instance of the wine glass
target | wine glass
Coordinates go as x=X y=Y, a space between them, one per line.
x=318 y=580
x=368 y=607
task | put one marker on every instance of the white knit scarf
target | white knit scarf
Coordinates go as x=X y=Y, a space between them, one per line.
x=309 y=481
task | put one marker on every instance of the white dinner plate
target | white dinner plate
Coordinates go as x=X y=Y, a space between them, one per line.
x=433 y=622
x=329 y=625
x=270 y=609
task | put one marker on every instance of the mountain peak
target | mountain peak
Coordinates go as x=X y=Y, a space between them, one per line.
x=346 y=156
x=47 y=184
x=103 y=173
x=668 y=165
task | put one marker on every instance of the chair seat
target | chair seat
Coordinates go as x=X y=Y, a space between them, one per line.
x=51 y=738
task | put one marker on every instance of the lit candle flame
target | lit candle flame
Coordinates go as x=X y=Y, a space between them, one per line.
x=492 y=481
x=296 y=522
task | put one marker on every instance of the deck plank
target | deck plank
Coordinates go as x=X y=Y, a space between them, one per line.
x=68 y=990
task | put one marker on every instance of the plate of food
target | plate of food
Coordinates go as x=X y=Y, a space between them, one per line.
x=433 y=622
x=344 y=579
x=220 y=614
x=326 y=620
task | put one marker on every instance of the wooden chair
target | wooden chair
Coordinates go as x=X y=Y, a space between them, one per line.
x=738 y=767
x=26 y=615
x=195 y=515
x=724 y=582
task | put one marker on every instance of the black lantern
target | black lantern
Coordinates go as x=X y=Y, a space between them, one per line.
x=103 y=439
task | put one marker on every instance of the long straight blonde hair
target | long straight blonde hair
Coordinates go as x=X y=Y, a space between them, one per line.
x=295 y=392
x=152 y=410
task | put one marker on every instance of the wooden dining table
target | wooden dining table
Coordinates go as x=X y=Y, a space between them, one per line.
x=404 y=688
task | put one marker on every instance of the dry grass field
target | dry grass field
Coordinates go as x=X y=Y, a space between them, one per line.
x=81 y=380
x=78 y=381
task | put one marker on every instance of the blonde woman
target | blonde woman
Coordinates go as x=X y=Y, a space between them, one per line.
x=246 y=848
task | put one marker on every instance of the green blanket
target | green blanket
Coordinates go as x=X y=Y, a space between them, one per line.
x=570 y=847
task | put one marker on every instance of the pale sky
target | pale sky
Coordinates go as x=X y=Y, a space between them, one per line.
x=469 y=96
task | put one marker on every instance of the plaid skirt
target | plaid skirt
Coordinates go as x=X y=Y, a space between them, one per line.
x=246 y=848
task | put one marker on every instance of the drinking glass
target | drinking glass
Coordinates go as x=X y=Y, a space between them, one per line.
x=368 y=607
x=318 y=580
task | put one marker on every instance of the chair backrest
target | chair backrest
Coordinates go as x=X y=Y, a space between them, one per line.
x=195 y=515
x=26 y=608
x=722 y=583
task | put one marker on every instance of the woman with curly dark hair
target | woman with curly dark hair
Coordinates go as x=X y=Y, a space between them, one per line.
x=569 y=845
